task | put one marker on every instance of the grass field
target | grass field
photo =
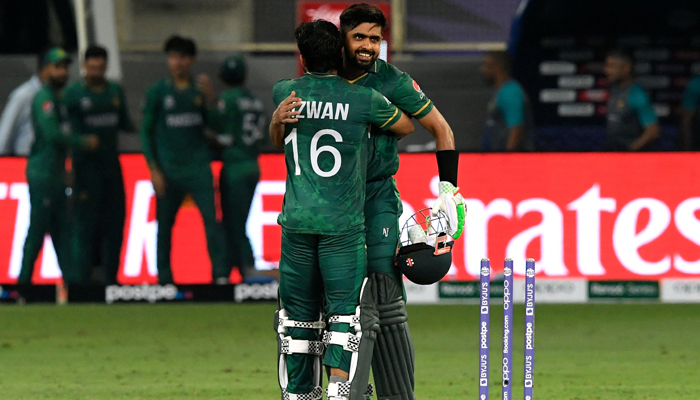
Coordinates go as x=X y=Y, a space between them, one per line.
x=221 y=351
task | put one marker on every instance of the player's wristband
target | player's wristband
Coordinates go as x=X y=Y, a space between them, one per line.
x=448 y=163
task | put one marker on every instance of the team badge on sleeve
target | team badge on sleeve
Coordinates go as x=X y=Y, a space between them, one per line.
x=415 y=86
x=47 y=107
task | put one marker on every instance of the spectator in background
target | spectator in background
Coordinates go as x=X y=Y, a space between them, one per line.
x=632 y=123
x=509 y=123
x=172 y=134
x=241 y=127
x=46 y=171
x=690 y=125
x=98 y=107
x=16 y=131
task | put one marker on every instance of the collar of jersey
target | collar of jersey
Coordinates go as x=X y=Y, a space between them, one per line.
x=369 y=71
x=320 y=75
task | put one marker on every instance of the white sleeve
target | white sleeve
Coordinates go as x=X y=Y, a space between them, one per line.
x=8 y=123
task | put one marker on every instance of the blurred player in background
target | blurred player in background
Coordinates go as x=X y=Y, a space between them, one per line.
x=97 y=106
x=46 y=170
x=16 y=131
x=509 y=123
x=241 y=126
x=323 y=239
x=690 y=124
x=632 y=123
x=173 y=138
x=361 y=28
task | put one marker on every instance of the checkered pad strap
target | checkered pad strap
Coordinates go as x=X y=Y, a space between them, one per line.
x=288 y=323
x=342 y=389
x=349 y=341
x=295 y=346
x=316 y=394
x=352 y=320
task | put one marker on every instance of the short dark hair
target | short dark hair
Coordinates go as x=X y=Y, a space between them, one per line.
x=622 y=55
x=501 y=58
x=182 y=45
x=319 y=43
x=361 y=13
x=96 y=52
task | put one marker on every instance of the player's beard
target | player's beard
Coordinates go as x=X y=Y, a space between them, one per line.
x=355 y=62
x=57 y=83
x=96 y=80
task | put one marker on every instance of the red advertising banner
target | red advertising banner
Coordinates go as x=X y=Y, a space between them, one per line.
x=597 y=216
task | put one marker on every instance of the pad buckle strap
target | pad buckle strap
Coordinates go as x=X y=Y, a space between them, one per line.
x=296 y=346
x=352 y=320
x=288 y=323
x=316 y=394
x=349 y=341
x=340 y=389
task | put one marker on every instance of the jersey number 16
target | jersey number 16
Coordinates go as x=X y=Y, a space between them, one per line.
x=316 y=151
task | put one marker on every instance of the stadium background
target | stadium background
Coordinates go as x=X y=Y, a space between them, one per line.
x=440 y=43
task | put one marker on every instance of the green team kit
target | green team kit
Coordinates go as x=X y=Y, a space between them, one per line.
x=242 y=128
x=393 y=359
x=46 y=175
x=99 y=186
x=323 y=241
x=173 y=140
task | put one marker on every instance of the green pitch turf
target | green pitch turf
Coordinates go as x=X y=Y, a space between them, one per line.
x=620 y=351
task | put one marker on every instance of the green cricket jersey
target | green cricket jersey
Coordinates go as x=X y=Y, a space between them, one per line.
x=51 y=135
x=102 y=114
x=241 y=118
x=404 y=92
x=325 y=152
x=172 y=131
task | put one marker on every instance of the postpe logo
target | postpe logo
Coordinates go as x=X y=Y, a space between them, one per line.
x=149 y=293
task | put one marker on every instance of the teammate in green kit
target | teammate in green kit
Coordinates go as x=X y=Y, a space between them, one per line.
x=361 y=27
x=322 y=124
x=241 y=126
x=46 y=172
x=173 y=139
x=98 y=107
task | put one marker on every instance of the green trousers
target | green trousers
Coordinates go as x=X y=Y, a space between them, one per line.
x=48 y=215
x=382 y=211
x=314 y=268
x=200 y=187
x=99 y=213
x=237 y=186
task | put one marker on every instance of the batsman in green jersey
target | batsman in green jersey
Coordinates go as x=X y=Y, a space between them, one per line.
x=97 y=107
x=322 y=124
x=46 y=170
x=361 y=28
x=241 y=127
x=174 y=143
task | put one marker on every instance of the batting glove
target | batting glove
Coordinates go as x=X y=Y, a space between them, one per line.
x=452 y=204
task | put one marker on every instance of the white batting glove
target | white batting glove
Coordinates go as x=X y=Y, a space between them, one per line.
x=452 y=204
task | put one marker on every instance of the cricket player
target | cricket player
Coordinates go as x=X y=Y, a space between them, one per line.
x=509 y=123
x=690 y=140
x=173 y=138
x=322 y=124
x=361 y=28
x=46 y=170
x=632 y=123
x=16 y=131
x=241 y=126
x=97 y=106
